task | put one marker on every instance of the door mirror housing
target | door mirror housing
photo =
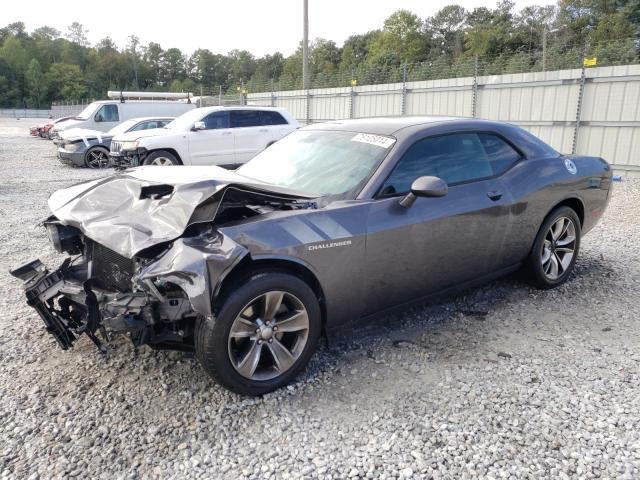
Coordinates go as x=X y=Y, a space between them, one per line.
x=199 y=126
x=425 y=187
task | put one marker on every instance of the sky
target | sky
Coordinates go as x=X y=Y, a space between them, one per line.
x=259 y=26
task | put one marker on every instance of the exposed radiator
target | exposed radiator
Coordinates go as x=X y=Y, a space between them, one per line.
x=110 y=270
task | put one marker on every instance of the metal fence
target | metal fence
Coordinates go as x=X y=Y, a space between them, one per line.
x=592 y=111
x=69 y=108
x=24 y=113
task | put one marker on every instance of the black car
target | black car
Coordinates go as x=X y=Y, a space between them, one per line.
x=336 y=222
x=90 y=148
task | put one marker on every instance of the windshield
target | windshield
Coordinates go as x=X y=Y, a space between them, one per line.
x=319 y=162
x=87 y=112
x=123 y=127
x=186 y=120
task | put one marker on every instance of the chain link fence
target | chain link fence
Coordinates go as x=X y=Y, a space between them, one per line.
x=554 y=57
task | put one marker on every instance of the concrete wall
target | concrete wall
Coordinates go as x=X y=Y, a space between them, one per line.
x=24 y=113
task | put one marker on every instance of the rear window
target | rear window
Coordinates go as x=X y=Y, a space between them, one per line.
x=245 y=118
x=270 y=117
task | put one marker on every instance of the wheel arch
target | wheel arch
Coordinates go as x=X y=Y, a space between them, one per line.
x=574 y=203
x=172 y=151
x=249 y=266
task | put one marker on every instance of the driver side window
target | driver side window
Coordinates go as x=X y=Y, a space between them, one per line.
x=456 y=158
x=107 y=113
x=216 y=120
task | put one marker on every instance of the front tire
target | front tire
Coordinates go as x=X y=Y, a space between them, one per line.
x=161 y=158
x=97 y=157
x=555 y=249
x=263 y=334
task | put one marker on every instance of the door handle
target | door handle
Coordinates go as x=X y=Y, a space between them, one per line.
x=494 y=195
x=226 y=133
x=264 y=130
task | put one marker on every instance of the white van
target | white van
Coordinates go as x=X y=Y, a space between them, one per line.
x=106 y=114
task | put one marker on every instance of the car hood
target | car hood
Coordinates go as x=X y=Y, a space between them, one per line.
x=136 y=135
x=81 y=133
x=68 y=124
x=141 y=207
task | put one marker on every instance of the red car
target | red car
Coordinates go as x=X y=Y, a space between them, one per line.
x=43 y=129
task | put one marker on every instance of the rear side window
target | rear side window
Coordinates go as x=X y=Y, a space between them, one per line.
x=272 y=118
x=245 y=118
x=501 y=155
x=456 y=158
x=107 y=113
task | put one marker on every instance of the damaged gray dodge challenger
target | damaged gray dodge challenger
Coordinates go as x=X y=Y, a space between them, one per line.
x=335 y=223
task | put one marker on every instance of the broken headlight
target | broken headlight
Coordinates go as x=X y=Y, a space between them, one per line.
x=71 y=147
x=64 y=238
x=129 y=146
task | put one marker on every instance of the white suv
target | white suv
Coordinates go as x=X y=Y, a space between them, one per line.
x=225 y=136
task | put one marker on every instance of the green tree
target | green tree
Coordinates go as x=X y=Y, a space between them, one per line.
x=402 y=40
x=356 y=50
x=77 y=34
x=447 y=30
x=66 y=82
x=172 y=66
x=35 y=81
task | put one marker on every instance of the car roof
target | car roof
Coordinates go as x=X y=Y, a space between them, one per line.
x=135 y=102
x=391 y=125
x=242 y=107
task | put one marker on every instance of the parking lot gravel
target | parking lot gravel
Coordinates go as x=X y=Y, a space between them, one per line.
x=503 y=382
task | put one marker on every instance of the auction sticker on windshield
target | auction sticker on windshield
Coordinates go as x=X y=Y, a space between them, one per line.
x=377 y=140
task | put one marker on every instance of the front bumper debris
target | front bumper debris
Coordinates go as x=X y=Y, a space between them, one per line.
x=64 y=322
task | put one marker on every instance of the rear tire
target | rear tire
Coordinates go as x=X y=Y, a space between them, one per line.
x=555 y=249
x=97 y=157
x=161 y=158
x=263 y=334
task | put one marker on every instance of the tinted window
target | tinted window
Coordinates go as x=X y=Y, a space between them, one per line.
x=501 y=155
x=140 y=126
x=455 y=158
x=107 y=113
x=272 y=118
x=149 y=124
x=216 y=120
x=245 y=118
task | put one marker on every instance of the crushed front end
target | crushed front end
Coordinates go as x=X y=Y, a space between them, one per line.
x=98 y=292
x=146 y=255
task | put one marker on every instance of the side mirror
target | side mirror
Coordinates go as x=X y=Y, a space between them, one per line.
x=425 y=187
x=98 y=117
x=199 y=126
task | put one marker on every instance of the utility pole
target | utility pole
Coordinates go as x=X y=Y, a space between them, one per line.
x=544 y=49
x=305 y=45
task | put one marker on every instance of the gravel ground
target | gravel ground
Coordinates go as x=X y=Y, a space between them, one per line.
x=504 y=382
